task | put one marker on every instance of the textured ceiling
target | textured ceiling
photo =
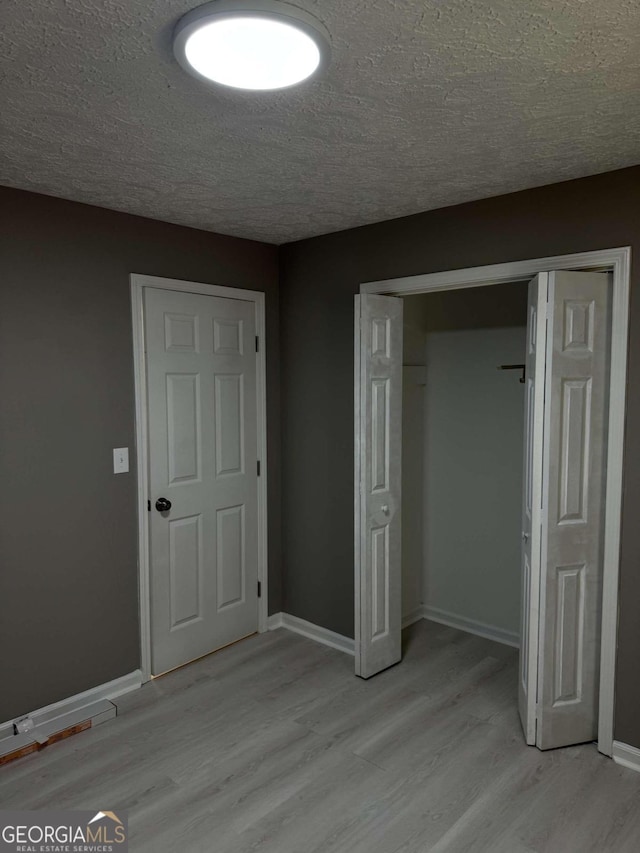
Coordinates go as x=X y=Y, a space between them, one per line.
x=426 y=104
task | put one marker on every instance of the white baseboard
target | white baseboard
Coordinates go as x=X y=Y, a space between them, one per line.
x=412 y=616
x=274 y=621
x=313 y=632
x=110 y=690
x=471 y=626
x=347 y=645
x=626 y=756
x=56 y=728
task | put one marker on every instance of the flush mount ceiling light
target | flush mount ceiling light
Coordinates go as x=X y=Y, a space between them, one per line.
x=264 y=44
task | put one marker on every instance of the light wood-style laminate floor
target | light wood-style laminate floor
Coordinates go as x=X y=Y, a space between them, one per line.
x=273 y=746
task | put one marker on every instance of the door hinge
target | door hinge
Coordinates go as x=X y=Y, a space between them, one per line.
x=257 y=344
x=258 y=467
x=148 y=506
x=259 y=589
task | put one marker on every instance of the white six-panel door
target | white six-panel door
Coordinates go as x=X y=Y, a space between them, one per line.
x=563 y=506
x=201 y=385
x=576 y=410
x=378 y=411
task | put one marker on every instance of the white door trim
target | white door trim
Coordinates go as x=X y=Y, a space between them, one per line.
x=138 y=283
x=618 y=262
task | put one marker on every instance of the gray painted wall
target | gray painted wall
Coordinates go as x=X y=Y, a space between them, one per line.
x=68 y=548
x=413 y=485
x=470 y=462
x=318 y=280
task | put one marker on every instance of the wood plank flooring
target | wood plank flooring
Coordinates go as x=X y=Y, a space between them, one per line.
x=274 y=746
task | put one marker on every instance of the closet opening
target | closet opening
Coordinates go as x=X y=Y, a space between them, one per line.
x=463 y=404
x=522 y=475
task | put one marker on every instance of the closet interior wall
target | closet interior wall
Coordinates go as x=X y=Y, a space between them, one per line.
x=463 y=427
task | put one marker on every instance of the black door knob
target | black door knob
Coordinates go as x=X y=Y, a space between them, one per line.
x=163 y=505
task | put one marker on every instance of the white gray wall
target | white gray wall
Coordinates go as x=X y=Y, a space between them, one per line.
x=318 y=279
x=68 y=527
x=462 y=455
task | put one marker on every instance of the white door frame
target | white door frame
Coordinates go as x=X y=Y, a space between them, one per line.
x=138 y=283
x=618 y=262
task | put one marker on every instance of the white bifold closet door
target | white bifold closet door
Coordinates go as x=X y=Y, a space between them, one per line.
x=563 y=506
x=202 y=423
x=378 y=545
x=532 y=502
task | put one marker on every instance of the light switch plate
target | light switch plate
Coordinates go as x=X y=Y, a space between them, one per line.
x=120 y=460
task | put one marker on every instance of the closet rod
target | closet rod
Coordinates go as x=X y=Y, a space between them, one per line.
x=521 y=367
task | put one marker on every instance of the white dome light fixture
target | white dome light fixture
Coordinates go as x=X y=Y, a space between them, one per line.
x=251 y=44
